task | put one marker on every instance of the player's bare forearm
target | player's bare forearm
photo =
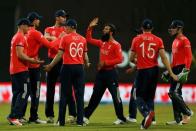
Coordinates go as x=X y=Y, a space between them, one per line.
x=86 y=60
x=167 y=64
x=57 y=58
x=132 y=57
x=22 y=56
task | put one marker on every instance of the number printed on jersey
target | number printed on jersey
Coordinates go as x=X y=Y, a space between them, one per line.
x=76 y=50
x=148 y=50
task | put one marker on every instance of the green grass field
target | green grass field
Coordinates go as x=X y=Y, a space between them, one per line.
x=101 y=120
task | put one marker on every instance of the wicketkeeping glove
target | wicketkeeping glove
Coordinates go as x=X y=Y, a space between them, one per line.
x=165 y=76
x=183 y=76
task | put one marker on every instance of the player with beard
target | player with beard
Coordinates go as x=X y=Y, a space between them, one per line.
x=107 y=77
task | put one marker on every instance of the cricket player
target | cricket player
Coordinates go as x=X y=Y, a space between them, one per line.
x=146 y=48
x=54 y=34
x=73 y=49
x=35 y=40
x=181 y=62
x=106 y=77
x=132 y=102
x=19 y=72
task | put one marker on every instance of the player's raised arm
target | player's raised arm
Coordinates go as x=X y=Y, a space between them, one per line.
x=89 y=38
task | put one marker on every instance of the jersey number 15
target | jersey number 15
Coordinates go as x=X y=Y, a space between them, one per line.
x=150 y=53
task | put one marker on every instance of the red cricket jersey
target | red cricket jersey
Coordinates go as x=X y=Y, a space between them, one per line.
x=54 y=31
x=110 y=52
x=181 y=52
x=35 y=40
x=146 y=46
x=74 y=46
x=17 y=65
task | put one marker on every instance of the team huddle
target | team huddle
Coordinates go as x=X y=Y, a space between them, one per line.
x=68 y=56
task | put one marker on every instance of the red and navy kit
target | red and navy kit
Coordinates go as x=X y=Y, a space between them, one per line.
x=110 y=52
x=54 y=31
x=19 y=77
x=107 y=76
x=35 y=40
x=72 y=74
x=147 y=46
x=181 y=58
x=73 y=46
x=181 y=52
x=52 y=75
x=17 y=65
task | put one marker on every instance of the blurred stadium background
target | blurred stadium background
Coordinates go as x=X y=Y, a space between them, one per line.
x=126 y=15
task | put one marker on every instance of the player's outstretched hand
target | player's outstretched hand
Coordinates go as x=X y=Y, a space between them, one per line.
x=175 y=77
x=93 y=22
x=47 y=68
x=37 y=61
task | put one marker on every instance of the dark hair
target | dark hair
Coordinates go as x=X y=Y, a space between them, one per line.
x=112 y=27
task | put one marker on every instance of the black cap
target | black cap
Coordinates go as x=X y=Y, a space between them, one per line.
x=33 y=16
x=71 y=23
x=61 y=13
x=147 y=24
x=177 y=24
x=23 y=21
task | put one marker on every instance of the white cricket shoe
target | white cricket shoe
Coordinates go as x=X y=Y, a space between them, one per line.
x=86 y=120
x=38 y=121
x=71 y=119
x=119 y=122
x=50 y=120
x=173 y=123
x=132 y=120
x=154 y=122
